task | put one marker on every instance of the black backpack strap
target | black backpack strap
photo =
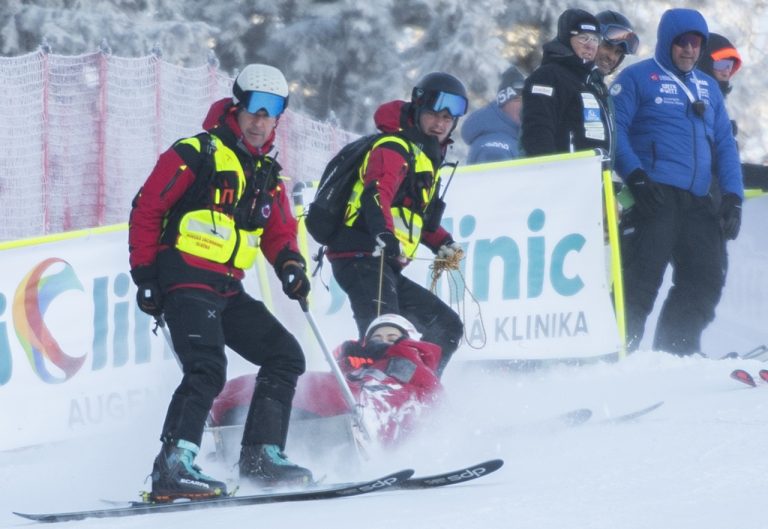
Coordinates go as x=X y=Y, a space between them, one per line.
x=201 y=163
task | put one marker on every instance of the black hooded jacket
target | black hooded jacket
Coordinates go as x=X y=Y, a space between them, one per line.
x=565 y=105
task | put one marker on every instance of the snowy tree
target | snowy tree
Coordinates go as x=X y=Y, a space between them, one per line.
x=344 y=57
x=132 y=27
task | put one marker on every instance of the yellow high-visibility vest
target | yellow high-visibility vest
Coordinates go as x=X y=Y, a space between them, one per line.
x=211 y=232
x=408 y=223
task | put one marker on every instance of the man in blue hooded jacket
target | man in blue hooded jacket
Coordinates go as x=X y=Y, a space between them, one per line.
x=673 y=132
x=493 y=132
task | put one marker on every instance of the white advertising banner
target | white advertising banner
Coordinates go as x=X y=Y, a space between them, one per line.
x=741 y=317
x=78 y=357
x=534 y=284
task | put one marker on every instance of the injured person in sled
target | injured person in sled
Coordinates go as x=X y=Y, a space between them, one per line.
x=391 y=374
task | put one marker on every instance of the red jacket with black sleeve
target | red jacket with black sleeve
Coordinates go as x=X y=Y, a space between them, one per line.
x=385 y=181
x=173 y=177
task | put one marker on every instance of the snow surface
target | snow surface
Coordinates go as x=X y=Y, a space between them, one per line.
x=696 y=462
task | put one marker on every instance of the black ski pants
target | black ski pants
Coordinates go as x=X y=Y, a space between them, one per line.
x=684 y=232
x=359 y=277
x=201 y=323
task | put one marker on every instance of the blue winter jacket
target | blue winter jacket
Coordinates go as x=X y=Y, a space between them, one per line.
x=491 y=134
x=657 y=128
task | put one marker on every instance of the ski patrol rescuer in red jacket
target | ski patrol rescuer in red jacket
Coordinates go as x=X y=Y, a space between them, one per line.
x=395 y=205
x=212 y=202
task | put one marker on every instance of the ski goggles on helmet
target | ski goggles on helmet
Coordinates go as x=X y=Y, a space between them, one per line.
x=621 y=36
x=272 y=104
x=456 y=105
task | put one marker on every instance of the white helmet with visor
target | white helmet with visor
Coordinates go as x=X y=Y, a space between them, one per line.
x=261 y=87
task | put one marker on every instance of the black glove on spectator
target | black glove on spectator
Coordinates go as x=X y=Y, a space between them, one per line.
x=648 y=195
x=387 y=242
x=730 y=216
x=295 y=281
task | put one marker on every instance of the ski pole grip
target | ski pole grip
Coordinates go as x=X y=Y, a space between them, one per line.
x=304 y=304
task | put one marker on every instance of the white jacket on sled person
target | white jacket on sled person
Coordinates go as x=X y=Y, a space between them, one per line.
x=391 y=374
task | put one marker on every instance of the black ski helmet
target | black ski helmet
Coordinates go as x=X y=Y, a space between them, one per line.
x=616 y=29
x=613 y=17
x=439 y=91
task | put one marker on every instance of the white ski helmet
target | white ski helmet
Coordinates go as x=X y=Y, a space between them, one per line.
x=393 y=320
x=260 y=86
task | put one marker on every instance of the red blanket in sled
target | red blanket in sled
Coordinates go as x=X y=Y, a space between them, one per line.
x=393 y=391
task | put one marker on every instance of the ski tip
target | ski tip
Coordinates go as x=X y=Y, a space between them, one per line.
x=492 y=465
x=743 y=377
x=36 y=517
x=398 y=477
x=764 y=374
x=453 y=477
x=576 y=417
x=405 y=474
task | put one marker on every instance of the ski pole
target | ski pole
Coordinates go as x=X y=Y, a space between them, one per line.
x=345 y=391
x=381 y=284
x=160 y=321
x=379 y=252
x=453 y=167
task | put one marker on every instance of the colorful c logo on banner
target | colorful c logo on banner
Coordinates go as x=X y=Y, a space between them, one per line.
x=32 y=299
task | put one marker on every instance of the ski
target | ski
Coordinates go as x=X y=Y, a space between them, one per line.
x=398 y=480
x=139 y=508
x=568 y=419
x=578 y=417
x=743 y=377
x=631 y=416
x=461 y=475
x=758 y=353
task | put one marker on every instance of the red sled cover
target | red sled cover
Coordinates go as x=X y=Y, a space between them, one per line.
x=393 y=391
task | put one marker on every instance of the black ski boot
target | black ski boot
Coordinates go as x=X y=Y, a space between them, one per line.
x=175 y=476
x=267 y=465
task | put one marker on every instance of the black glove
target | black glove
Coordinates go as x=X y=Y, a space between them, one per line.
x=648 y=195
x=295 y=281
x=375 y=349
x=149 y=295
x=730 y=216
x=387 y=243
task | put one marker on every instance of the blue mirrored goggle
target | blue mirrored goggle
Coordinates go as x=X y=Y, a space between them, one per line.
x=723 y=64
x=272 y=104
x=456 y=105
x=621 y=36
